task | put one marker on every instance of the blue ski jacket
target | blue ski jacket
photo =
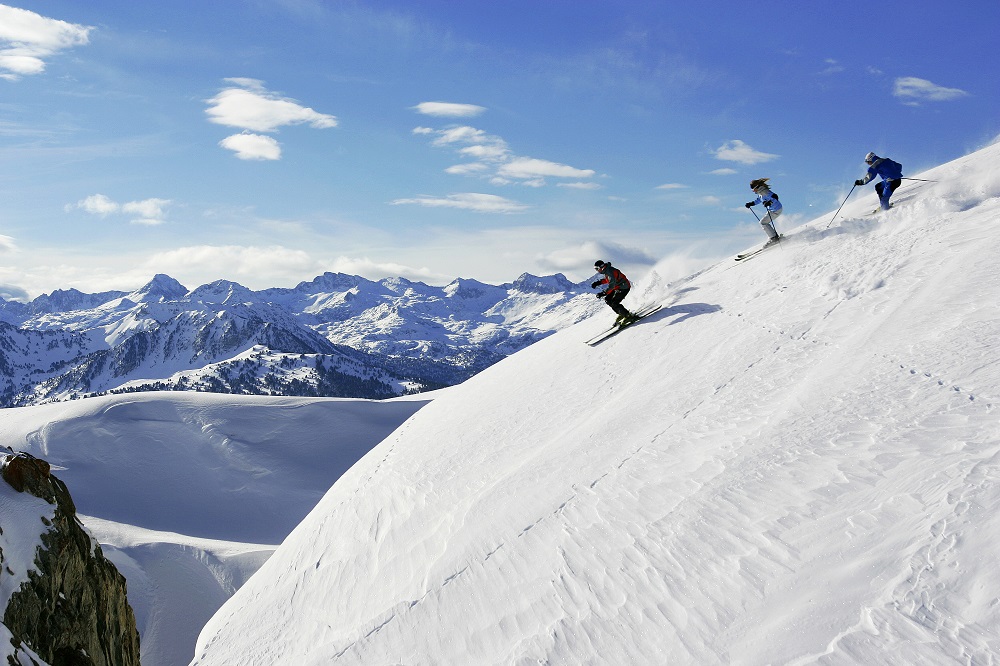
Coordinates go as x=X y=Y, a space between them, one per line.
x=768 y=198
x=884 y=167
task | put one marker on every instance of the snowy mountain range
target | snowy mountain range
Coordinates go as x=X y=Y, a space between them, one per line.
x=338 y=335
x=795 y=461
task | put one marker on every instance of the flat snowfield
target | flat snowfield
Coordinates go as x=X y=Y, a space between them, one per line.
x=188 y=493
x=795 y=461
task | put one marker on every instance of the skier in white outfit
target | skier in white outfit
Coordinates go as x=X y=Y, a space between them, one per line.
x=770 y=200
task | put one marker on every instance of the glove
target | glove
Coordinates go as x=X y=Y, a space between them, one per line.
x=858 y=182
x=751 y=204
x=593 y=285
x=602 y=294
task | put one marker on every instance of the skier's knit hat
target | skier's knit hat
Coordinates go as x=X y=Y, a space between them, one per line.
x=599 y=264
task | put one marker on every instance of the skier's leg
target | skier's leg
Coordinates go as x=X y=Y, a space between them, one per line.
x=615 y=301
x=893 y=184
x=767 y=222
x=884 y=190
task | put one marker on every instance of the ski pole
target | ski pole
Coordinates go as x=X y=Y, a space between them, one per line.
x=754 y=213
x=841 y=206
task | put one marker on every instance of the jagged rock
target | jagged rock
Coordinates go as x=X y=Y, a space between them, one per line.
x=73 y=609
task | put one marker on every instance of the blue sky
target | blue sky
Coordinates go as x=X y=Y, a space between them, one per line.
x=268 y=141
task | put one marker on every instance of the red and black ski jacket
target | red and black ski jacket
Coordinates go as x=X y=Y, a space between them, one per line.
x=614 y=278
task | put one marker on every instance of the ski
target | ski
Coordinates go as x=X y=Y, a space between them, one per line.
x=618 y=328
x=754 y=253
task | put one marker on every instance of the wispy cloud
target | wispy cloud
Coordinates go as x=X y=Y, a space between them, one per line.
x=530 y=167
x=6 y=243
x=481 y=203
x=916 y=90
x=672 y=186
x=738 y=151
x=449 y=109
x=237 y=260
x=581 y=257
x=832 y=67
x=580 y=186
x=148 y=212
x=493 y=159
x=10 y=292
x=725 y=171
x=249 y=106
x=26 y=38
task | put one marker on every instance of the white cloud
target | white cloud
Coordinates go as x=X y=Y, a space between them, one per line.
x=251 y=107
x=530 y=167
x=249 y=146
x=26 y=38
x=910 y=87
x=150 y=212
x=233 y=260
x=7 y=244
x=97 y=204
x=448 y=109
x=726 y=171
x=375 y=270
x=466 y=169
x=496 y=150
x=738 y=151
x=581 y=257
x=672 y=186
x=481 y=203
x=581 y=186
x=463 y=134
x=498 y=164
x=10 y=292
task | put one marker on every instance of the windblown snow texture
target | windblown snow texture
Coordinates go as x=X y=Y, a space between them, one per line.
x=793 y=462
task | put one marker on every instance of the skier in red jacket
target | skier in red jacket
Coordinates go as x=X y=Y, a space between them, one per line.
x=617 y=289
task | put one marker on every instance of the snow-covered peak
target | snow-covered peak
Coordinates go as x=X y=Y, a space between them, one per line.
x=222 y=292
x=68 y=300
x=160 y=288
x=329 y=282
x=551 y=284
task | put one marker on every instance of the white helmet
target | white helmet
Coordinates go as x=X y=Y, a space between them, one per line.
x=870 y=157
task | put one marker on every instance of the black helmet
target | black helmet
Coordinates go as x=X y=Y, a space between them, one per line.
x=599 y=264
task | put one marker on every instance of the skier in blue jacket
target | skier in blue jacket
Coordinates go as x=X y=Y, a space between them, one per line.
x=891 y=173
x=770 y=200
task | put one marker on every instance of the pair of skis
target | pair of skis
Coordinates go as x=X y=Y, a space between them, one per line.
x=642 y=312
x=754 y=253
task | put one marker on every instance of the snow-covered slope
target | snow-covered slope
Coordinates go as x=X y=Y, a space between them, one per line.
x=795 y=461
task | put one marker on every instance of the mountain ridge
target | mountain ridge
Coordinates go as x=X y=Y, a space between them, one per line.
x=335 y=335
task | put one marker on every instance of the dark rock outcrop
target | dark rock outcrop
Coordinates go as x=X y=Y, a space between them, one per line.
x=73 y=610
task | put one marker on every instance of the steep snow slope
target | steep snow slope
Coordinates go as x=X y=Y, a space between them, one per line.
x=189 y=493
x=794 y=462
